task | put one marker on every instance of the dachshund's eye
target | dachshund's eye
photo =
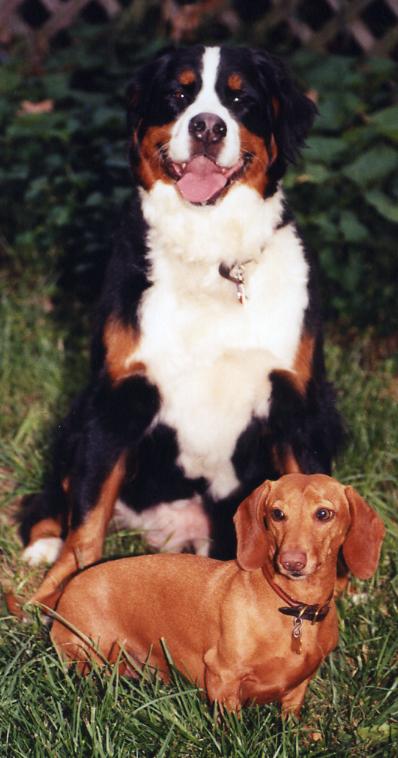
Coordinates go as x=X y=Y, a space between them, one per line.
x=324 y=514
x=277 y=514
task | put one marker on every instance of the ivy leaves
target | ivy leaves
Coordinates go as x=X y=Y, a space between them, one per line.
x=346 y=187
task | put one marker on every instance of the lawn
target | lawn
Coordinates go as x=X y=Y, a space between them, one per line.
x=351 y=707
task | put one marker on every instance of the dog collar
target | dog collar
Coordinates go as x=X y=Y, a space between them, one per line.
x=305 y=612
x=299 y=610
x=235 y=274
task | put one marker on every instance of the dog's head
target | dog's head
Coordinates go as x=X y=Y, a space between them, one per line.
x=204 y=118
x=299 y=522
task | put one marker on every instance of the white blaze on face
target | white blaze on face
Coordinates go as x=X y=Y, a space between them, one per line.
x=207 y=101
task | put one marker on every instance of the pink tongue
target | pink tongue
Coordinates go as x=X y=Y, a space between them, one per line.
x=201 y=181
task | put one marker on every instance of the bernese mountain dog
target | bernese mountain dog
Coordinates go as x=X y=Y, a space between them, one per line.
x=207 y=362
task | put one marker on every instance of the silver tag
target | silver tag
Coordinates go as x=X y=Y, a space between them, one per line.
x=296 y=631
x=237 y=275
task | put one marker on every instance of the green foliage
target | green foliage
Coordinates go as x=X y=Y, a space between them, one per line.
x=345 y=190
x=64 y=172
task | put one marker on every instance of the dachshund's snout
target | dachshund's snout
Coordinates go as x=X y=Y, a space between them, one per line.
x=293 y=560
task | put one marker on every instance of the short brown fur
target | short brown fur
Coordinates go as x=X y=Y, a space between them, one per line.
x=220 y=620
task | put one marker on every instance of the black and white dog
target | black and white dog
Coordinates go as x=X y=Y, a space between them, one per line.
x=207 y=371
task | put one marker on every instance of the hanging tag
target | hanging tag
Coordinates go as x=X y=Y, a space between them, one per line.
x=297 y=631
x=235 y=274
x=240 y=291
x=296 y=635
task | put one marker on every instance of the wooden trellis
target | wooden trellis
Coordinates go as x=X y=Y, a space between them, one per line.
x=44 y=18
x=41 y=20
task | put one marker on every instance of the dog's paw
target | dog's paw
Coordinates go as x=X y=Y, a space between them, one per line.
x=44 y=550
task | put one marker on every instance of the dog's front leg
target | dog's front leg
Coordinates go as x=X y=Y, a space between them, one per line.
x=114 y=421
x=222 y=682
x=84 y=543
x=305 y=427
x=285 y=460
x=292 y=702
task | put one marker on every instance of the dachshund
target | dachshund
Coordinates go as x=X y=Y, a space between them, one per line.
x=254 y=629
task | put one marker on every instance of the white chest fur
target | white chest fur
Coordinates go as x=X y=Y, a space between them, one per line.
x=210 y=356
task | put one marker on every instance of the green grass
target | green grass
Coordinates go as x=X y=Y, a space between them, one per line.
x=45 y=710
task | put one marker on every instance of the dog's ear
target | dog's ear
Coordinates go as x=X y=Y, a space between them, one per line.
x=139 y=93
x=294 y=116
x=291 y=112
x=362 y=546
x=294 y=113
x=250 y=531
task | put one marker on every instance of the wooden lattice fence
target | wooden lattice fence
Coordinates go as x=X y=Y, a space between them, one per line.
x=371 y=25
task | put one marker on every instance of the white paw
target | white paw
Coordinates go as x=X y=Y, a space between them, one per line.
x=45 y=550
x=169 y=527
x=202 y=546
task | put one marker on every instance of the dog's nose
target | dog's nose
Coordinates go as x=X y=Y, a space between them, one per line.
x=207 y=127
x=293 y=560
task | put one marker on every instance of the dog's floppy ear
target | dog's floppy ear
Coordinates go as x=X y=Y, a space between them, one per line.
x=362 y=546
x=294 y=114
x=291 y=112
x=250 y=532
x=139 y=93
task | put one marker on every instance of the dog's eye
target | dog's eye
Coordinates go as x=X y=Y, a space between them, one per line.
x=277 y=514
x=240 y=100
x=179 y=95
x=324 y=514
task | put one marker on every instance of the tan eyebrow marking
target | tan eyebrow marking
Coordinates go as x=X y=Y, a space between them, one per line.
x=235 y=81
x=187 y=76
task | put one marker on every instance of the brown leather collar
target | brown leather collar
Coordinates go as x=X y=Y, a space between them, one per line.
x=296 y=608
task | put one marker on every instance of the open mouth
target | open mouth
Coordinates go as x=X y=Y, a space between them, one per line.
x=201 y=180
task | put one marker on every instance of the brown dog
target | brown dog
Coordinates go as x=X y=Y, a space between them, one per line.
x=255 y=629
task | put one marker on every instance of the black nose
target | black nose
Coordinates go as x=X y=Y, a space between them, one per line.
x=207 y=128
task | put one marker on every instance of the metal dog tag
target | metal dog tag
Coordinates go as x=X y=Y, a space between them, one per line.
x=237 y=274
x=297 y=631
